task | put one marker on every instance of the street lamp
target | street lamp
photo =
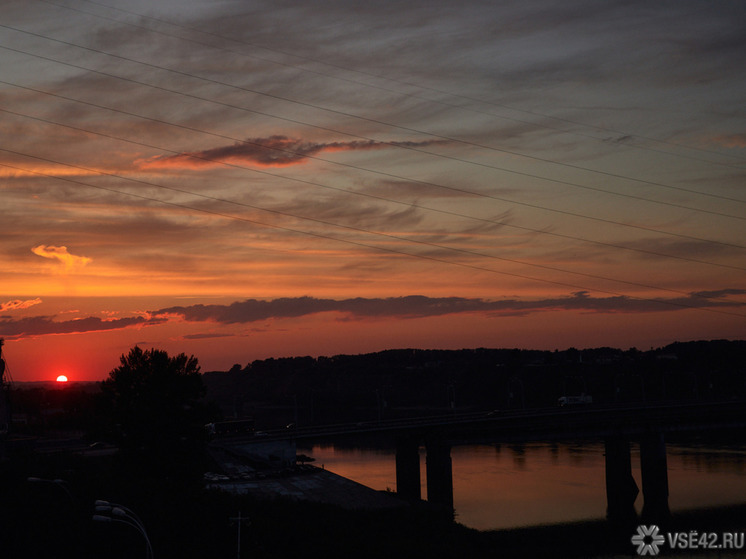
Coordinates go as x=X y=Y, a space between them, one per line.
x=61 y=483
x=55 y=509
x=113 y=512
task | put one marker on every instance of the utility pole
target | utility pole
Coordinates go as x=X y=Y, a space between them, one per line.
x=238 y=520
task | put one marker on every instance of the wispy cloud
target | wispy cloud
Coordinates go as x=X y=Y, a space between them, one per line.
x=69 y=261
x=731 y=140
x=273 y=151
x=18 y=304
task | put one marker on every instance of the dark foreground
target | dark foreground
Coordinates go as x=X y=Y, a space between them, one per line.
x=53 y=519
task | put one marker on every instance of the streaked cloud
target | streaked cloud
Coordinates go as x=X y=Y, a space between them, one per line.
x=273 y=151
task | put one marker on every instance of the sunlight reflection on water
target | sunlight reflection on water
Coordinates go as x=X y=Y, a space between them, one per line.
x=540 y=483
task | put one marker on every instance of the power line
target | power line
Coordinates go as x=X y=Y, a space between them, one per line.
x=321 y=159
x=313 y=183
x=348 y=227
x=357 y=243
x=402 y=82
x=455 y=189
x=394 y=126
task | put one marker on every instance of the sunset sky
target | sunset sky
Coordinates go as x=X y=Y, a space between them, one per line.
x=240 y=180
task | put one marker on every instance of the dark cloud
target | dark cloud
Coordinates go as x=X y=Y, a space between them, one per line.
x=205 y=336
x=416 y=306
x=274 y=151
x=719 y=294
x=412 y=306
x=44 y=325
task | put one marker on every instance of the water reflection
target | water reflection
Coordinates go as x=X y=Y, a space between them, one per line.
x=542 y=483
x=533 y=484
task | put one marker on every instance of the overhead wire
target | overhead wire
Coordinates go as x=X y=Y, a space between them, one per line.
x=344 y=190
x=451 y=188
x=667 y=302
x=385 y=174
x=420 y=86
x=390 y=125
x=343 y=226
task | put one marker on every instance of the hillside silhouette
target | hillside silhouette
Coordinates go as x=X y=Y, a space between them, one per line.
x=413 y=382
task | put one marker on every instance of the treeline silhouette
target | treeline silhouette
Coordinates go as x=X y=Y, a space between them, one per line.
x=398 y=383
x=411 y=382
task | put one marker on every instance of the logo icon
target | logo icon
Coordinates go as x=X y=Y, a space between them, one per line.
x=647 y=540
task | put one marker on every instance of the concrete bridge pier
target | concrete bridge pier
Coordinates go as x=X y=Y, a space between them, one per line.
x=654 y=472
x=439 y=474
x=621 y=488
x=438 y=468
x=408 y=468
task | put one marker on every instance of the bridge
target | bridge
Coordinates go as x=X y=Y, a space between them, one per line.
x=616 y=425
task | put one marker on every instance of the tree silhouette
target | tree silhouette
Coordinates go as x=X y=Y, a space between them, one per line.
x=155 y=406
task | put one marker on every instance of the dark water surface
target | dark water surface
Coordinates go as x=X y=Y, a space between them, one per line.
x=542 y=483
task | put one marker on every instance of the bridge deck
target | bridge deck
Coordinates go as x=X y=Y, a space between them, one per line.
x=591 y=421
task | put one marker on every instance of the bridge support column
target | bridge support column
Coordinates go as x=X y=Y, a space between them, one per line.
x=408 y=469
x=654 y=479
x=621 y=489
x=439 y=474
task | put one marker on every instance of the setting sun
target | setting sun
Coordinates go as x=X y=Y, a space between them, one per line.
x=62 y=378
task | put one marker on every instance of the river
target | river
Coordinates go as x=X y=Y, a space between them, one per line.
x=509 y=486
